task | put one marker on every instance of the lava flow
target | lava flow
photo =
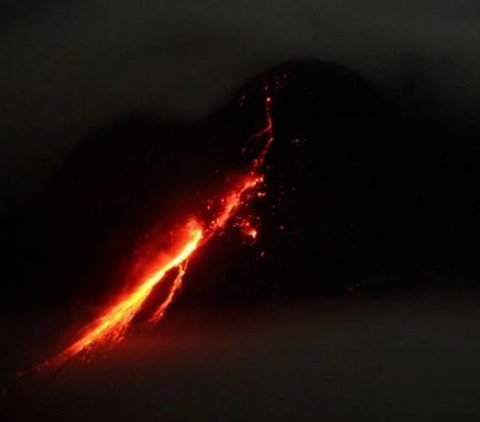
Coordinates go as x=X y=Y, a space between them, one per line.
x=110 y=327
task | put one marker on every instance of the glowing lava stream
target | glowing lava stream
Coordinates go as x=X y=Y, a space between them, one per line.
x=112 y=324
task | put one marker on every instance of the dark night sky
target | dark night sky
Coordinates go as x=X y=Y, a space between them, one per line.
x=69 y=67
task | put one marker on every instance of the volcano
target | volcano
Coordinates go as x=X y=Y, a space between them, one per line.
x=364 y=194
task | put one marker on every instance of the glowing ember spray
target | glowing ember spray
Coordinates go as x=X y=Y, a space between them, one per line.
x=112 y=324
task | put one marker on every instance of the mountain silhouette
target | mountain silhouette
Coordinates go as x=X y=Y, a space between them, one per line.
x=364 y=194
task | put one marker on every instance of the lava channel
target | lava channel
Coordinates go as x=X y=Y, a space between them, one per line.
x=111 y=326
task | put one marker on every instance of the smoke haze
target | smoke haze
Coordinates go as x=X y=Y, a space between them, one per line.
x=70 y=67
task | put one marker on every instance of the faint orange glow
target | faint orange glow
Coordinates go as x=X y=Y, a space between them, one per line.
x=246 y=227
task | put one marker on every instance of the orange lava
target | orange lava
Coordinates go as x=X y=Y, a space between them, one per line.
x=176 y=286
x=111 y=326
x=233 y=201
x=113 y=323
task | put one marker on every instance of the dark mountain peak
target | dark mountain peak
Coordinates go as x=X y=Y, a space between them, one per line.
x=305 y=92
x=315 y=82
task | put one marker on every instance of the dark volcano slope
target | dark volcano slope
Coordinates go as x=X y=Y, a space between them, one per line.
x=361 y=193
x=365 y=194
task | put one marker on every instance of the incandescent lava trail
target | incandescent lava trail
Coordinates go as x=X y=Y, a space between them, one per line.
x=110 y=327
